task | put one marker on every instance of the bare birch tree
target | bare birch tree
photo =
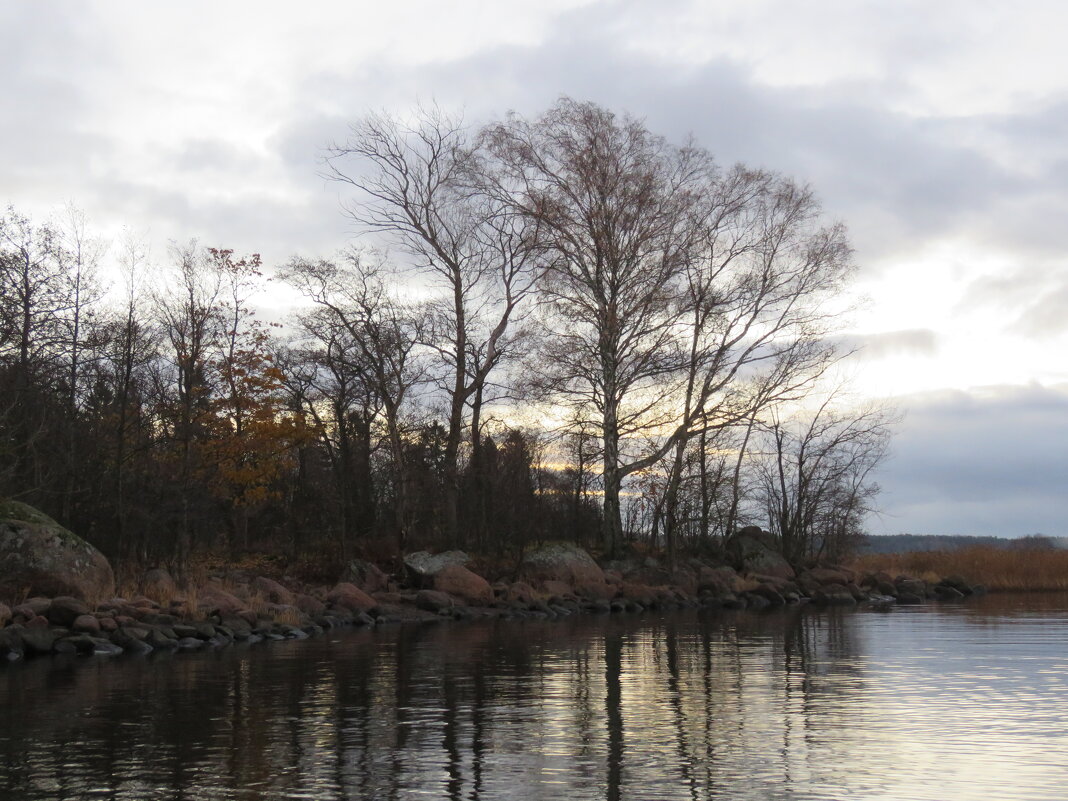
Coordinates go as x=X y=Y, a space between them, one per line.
x=677 y=298
x=421 y=187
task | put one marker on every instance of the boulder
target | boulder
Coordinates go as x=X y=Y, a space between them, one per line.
x=957 y=583
x=366 y=576
x=11 y=649
x=718 y=581
x=214 y=600
x=160 y=641
x=422 y=566
x=638 y=593
x=754 y=551
x=37 y=555
x=857 y=593
x=557 y=589
x=158 y=585
x=32 y=607
x=519 y=591
x=433 y=601
x=769 y=593
x=273 y=591
x=87 y=624
x=944 y=592
x=682 y=577
x=458 y=581
x=910 y=586
x=876 y=580
x=309 y=605
x=65 y=610
x=38 y=640
x=566 y=562
x=349 y=596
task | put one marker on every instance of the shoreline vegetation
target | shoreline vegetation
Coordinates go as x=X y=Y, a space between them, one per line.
x=999 y=569
x=226 y=604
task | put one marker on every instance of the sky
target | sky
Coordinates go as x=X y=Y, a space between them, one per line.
x=937 y=132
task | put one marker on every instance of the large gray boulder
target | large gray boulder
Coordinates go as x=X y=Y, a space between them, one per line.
x=567 y=563
x=423 y=566
x=754 y=551
x=40 y=557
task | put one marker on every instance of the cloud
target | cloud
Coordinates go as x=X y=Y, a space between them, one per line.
x=910 y=342
x=988 y=461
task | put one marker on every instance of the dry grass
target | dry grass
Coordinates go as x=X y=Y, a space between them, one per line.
x=999 y=570
x=291 y=617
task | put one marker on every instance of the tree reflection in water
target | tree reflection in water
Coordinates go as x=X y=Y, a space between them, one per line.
x=680 y=706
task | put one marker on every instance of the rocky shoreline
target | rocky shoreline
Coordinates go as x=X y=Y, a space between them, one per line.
x=552 y=581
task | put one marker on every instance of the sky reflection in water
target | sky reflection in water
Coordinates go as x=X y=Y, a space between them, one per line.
x=968 y=702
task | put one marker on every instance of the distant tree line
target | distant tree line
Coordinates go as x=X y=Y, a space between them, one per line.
x=562 y=327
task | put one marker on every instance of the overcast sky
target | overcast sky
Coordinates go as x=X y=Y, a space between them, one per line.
x=938 y=132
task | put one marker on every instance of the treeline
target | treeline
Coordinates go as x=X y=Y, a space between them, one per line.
x=562 y=327
x=911 y=543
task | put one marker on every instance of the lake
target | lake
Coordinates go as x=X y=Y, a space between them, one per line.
x=954 y=701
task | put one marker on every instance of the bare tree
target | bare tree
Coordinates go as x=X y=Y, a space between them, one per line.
x=422 y=186
x=617 y=208
x=189 y=317
x=815 y=475
x=756 y=316
x=679 y=298
x=81 y=324
x=34 y=299
x=374 y=338
x=132 y=344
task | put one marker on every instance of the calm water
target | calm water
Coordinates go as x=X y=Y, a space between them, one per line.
x=962 y=702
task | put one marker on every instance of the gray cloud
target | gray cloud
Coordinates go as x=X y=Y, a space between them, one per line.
x=982 y=462
x=985 y=462
x=912 y=341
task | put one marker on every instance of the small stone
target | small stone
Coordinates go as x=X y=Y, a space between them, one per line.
x=77 y=643
x=157 y=639
x=87 y=624
x=204 y=630
x=102 y=647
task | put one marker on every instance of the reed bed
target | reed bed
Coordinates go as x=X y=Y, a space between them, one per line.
x=998 y=569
